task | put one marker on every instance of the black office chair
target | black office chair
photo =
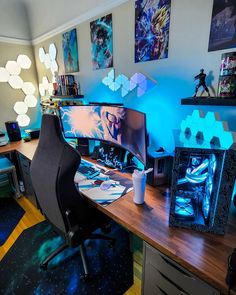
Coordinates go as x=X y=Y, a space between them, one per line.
x=52 y=171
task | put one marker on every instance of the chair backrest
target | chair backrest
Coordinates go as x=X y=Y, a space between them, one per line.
x=52 y=173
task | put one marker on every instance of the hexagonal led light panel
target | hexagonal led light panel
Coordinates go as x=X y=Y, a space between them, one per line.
x=15 y=82
x=10 y=74
x=213 y=131
x=126 y=85
x=52 y=51
x=30 y=100
x=23 y=120
x=28 y=88
x=24 y=61
x=20 y=108
x=42 y=90
x=41 y=54
x=13 y=68
x=4 y=75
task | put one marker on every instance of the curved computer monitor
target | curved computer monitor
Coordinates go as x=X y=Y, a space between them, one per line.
x=118 y=125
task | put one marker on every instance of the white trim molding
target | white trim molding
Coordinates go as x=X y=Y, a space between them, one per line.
x=84 y=17
x=15 y=41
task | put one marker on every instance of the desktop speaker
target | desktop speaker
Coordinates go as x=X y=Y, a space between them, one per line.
x=83 y=147
x=162 y=169
x=13 y=130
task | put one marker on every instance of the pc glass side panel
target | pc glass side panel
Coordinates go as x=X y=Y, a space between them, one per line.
x=198 y=197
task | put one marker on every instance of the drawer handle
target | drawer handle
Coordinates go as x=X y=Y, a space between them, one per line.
x=176 y=267
x=173 y=283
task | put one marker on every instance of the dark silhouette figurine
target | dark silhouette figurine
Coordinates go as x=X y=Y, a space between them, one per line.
x=202 y=82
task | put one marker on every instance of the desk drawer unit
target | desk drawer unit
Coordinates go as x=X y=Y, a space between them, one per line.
x=161 y=275
x=24 y=164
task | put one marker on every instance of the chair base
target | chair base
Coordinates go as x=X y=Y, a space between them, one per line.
x=86 y=276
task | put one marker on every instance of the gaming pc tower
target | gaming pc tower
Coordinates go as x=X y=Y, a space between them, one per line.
x=202 y=188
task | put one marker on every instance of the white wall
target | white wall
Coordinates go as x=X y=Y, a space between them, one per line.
x=188 y=45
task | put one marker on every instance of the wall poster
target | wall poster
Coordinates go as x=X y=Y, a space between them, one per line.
x=152 y=21
x=70 y=51
x=223 y=25
x=101 y=42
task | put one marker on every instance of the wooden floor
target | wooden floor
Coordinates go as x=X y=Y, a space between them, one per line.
x=31 y=217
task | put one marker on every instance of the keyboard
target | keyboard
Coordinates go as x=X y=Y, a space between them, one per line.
x=88 y=171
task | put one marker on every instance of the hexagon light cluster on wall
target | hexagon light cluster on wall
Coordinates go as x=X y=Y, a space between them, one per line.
x=138 y=80
x=206 y=130
x=11 y=74
x=49 y=59
x=45 y=86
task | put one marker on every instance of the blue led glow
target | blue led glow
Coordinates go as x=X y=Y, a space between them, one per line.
x=126 y=85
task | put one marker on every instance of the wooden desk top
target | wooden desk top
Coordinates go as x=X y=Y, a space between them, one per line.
x=205 y=255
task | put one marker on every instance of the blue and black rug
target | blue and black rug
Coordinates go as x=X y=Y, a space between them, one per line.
x=111 y=269
x=10 y=214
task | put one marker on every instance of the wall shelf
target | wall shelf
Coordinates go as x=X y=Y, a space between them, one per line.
x=66 y=96
x=205 y=100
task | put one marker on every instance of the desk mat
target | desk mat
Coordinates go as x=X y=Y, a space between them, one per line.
x=111 y=269
x=10 y=214
x=91 y=187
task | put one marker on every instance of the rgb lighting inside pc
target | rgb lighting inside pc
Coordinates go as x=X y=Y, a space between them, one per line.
x=195 y=186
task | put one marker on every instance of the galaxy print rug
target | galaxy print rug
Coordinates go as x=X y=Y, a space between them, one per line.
x=10 y=214
x=111 y=269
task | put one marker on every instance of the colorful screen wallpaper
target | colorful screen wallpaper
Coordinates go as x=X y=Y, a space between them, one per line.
x=119 y=125
x=70 y=51
x=223 y=25
x=152 y=21
x=101 y=42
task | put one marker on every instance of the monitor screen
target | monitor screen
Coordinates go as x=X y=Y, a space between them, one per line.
x=118 y=125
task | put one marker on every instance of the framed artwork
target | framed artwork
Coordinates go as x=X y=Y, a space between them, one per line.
x=152 y=21
x=223 y=25
x=70 y=51
x=101 y=42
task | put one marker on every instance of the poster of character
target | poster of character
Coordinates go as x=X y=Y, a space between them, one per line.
x=101 y=42
x=152 y=22
x=70 y=51
x=223 y=25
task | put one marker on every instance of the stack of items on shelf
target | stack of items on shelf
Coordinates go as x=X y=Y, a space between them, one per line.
x=66 y=85
x=227 y=79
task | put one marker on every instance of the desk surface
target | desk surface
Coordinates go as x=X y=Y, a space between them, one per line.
x=205 y=255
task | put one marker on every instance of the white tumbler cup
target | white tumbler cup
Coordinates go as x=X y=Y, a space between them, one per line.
x=139 y=184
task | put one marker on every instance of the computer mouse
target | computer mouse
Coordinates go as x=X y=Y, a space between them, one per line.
x=105 y=185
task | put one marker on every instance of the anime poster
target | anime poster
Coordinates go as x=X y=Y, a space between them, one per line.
x=101 y=42
x=223 y=25
x=70 y=51
x=152 y=22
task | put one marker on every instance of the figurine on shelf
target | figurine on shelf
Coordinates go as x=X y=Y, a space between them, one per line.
x=202 y=82
x=74 y=88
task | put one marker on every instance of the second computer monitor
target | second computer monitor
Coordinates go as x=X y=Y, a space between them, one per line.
x=118 y=125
